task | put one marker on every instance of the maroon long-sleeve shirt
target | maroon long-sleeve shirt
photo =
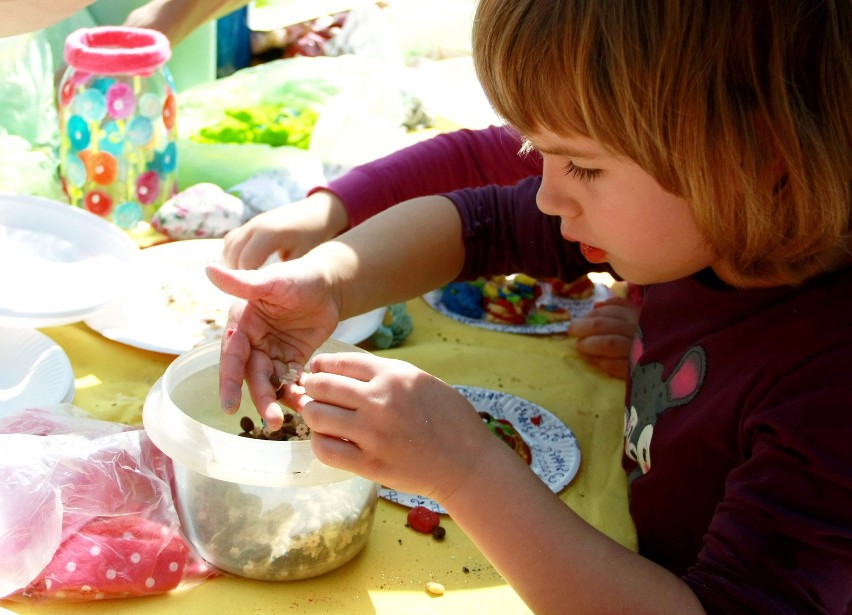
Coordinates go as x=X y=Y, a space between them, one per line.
x=738 y=416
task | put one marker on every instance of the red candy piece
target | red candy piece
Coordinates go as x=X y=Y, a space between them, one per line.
x=423 y=520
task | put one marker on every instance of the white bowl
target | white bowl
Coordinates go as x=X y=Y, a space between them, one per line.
x=256 y=508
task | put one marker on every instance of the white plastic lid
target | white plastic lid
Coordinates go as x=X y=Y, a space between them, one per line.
x=222 y=455
x=61 y=264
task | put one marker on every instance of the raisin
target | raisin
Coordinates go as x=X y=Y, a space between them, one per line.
x=246 y=424
x=438 y=533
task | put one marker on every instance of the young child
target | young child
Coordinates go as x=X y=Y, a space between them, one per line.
x=460 y=159
x=702 y=149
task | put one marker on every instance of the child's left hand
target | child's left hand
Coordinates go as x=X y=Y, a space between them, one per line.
x=605 y=334
x=390 y=422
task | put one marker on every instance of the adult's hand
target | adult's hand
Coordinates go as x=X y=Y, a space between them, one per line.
x=282 y=315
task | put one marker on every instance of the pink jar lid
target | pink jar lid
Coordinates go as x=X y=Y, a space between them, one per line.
x=115 y=50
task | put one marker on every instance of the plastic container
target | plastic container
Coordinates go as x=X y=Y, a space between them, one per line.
x=260 y=509
x=117 y=123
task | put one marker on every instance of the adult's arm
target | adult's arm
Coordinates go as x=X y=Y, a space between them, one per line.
x=178 y=18
x=21 y=16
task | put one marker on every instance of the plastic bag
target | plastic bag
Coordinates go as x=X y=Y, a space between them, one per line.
x=201 y=211
x=86 y=511
x=362 y=112
x=26 y=90
x=29 y=128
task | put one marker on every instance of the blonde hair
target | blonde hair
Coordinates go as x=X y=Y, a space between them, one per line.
x=740 y=107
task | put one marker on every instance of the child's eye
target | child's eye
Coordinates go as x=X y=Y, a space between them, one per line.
x=581 y=173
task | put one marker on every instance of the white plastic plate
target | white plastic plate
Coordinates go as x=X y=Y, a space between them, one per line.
x=61 y=264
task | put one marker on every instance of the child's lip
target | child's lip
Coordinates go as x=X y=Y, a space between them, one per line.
x=592 y=254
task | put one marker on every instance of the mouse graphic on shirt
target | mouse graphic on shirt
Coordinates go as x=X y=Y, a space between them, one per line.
x=651 y=395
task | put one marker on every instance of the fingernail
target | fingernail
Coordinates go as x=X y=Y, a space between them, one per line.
x=230 y=401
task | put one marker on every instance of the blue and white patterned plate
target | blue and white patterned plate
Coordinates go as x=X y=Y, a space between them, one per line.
x=555 y=452
x=577 y=307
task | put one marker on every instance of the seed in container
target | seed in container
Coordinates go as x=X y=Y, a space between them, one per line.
x=292 y=375
x=294 y=428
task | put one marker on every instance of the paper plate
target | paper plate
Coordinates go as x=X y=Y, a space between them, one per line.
x=174 y=307
x=61 y=264
x=577 y=307
x=34 y=371
x=555 y=452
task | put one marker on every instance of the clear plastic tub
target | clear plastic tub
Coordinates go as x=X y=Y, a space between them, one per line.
x=260 y=509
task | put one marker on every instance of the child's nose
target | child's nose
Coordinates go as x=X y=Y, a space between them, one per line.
x=553 y=199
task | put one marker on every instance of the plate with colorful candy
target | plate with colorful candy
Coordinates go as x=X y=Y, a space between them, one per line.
x=518 y=303
x=536 y=435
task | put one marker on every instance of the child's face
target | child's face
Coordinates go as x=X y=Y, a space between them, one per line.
x=617 y=212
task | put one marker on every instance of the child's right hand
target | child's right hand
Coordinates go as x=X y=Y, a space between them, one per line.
x=390 y=422
x=605 y=335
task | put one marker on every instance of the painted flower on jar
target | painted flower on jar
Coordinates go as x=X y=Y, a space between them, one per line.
x=127 y=214
x=102 y=168
x=70 y=85
x=98 y=202
x=121 y=102
x=169 y=111
x=74 y=170
x=148 y=187
x=139 y=131
x=102 y=84
x=112 y=140
x=165 y=161
x=78 y=132
x=150 y=106
x=91 y=104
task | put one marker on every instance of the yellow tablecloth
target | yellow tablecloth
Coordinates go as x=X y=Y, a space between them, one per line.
x=389 y=575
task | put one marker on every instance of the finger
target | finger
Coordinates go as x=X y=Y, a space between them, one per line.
x=617 y=307
x=337 y=453
x=256 y=252
x=615 y=300
x=356 y=365
x=331 y=420
x=618 y=368
x=248 y=285
x=601 y=325
x=334 y=389
x=615 y=310
x=233 y=359
x=234 y=241
x=259 y=376
x=605 y=346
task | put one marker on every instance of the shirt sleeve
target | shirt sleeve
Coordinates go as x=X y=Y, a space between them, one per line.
x=504 y=232
x=781 y=540
x=459 y=159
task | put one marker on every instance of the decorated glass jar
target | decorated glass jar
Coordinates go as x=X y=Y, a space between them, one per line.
x=117 y=117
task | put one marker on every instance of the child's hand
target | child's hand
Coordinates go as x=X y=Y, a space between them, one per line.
x=390 y=422
x=289 y=231
x=605 y=334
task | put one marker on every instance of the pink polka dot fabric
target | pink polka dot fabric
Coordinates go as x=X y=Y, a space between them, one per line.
x=111 y=557
x=99 y=494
